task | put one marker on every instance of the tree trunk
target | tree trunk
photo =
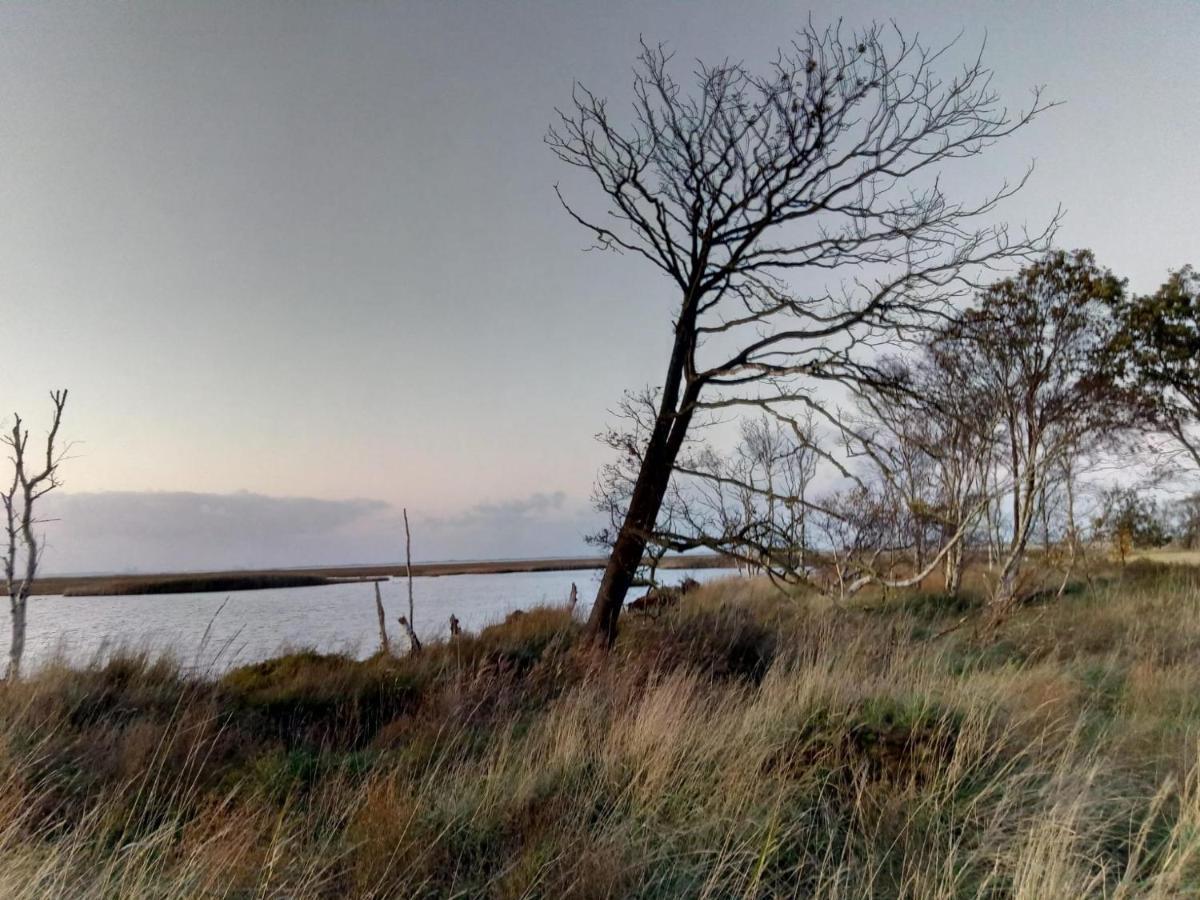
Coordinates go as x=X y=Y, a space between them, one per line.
x=1024 y=500
x=385 y=646
x=16 y=649
x=1006 y=590
x=670 y=429
x=630 y=545
x=954 y=569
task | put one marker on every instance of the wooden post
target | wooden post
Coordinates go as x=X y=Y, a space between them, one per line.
x=414 y=644
x=408 y=571
x=384 y=645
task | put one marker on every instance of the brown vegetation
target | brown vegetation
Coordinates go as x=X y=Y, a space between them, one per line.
x=195 y=584
x=91 y=585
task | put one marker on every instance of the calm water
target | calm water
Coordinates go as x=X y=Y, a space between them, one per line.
x=254 y=625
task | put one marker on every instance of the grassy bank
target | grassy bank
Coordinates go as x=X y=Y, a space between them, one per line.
x=195 y=584
x=745 y=745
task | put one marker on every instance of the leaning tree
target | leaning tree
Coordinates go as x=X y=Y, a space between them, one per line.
x=799 y=214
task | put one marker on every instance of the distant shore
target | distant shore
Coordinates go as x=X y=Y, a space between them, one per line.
x=256 y=579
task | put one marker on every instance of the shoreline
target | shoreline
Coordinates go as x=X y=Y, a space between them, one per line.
x=254 y=579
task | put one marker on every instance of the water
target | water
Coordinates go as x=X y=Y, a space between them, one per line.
x=247 y=626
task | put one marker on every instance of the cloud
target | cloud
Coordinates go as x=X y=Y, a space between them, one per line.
x=534 y=505
x=179 y=531
x=129 y=531
x=542 y=524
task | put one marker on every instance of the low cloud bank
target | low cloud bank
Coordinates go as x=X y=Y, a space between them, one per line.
x=130 y=531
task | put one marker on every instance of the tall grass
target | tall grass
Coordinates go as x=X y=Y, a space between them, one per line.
x=744 y=745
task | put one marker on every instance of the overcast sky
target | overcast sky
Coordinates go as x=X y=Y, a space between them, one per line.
x=301 y=263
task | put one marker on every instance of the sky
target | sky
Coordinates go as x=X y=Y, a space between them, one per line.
x=301 y=264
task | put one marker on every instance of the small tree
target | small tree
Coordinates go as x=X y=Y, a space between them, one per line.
x=749 y=193
x=1034 y=345
x=932 y=437
x=1128 y=520
x=753 y=503
x=1185 y=521
x=34 y=475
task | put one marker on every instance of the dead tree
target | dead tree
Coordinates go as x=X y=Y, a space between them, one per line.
x=385 y=645
x=797 y=214
x=32 y=478
x=407 y=622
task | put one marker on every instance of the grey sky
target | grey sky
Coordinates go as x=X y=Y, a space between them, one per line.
x=311 y=250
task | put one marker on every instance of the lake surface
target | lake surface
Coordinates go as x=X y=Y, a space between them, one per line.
x=219 y=630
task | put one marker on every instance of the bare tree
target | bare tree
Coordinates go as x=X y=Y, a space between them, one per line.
x=754 y=502
x=408 y=623
x=932 y=438
x=743 y=504
x=33 y=477
x=863 y=542
x=750 y=503
x=751 y=193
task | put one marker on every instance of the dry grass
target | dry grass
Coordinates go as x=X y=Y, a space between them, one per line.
x=1170 y=555
x=745 y=745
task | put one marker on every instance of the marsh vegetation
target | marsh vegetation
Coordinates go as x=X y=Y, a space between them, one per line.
x=744 y=743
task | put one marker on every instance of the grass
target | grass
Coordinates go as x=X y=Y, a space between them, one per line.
x=747 y=744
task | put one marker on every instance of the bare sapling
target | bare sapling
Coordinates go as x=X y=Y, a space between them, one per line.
x=31 y=480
